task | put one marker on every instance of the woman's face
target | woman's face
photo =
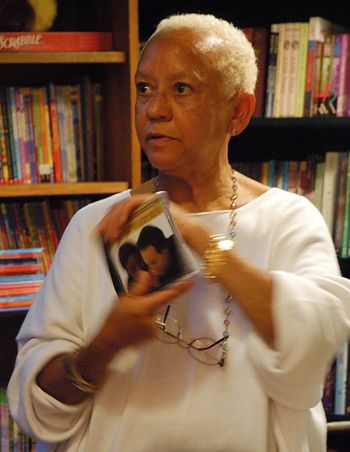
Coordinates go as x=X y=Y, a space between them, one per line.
x=182 y=119
x=132 y=266
x=156 y=261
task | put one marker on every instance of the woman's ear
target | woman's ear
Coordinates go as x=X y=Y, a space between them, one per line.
x=244 y=106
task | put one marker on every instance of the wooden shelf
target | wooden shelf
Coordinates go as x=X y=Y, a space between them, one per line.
x=338 y=426
x=62 y=57
x=307 y=123
x=64 y=189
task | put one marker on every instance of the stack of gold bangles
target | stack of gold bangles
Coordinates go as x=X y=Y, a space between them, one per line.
x=215 y=256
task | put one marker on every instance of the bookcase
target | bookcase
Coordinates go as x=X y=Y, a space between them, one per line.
x=131 y=21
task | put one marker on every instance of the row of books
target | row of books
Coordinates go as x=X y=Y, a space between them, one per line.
x=36 y=224
x=51 y=133
x=324 y=179
x=336 y=394
x=304 y=69
x=12 y=438
x=21 y=276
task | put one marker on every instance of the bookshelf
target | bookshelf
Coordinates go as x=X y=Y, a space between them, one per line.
x=130 y=21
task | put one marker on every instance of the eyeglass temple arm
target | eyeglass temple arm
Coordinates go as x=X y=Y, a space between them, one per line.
x=209 y=346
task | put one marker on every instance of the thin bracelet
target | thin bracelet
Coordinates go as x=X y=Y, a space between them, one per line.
x=75 y=377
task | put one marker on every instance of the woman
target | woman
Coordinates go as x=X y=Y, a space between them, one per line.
x=160 y=255
x=244 y=347
x=131 y=260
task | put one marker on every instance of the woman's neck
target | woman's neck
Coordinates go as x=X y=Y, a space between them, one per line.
x=210 y=191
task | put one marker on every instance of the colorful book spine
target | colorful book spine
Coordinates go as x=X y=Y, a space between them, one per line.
x=99 y=135
x=281 y=61
x=78 y=131
x=30 y=134
x=335 y=75
x=345 y=243
x=293 y=68
x=13 y=134
x=341 y=373
x=301 y=70
x=344 y=75
x=55 y=134
x=321 y=101
x=329 y=187
x=340 y=201
x=319 y=28
x=329 y=390
x=4 y=151
x=286 y=68
x=271 y=70
x=260 y=44
x=46 y=167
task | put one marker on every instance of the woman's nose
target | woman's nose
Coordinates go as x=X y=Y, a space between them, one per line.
x=159 y=107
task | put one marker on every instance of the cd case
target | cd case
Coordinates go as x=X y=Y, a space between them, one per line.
x=150 y=242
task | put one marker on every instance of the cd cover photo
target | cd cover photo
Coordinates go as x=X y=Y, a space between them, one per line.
x=152 y=243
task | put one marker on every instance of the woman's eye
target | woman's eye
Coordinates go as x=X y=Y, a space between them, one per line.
x=142 y=88
x=181 y=87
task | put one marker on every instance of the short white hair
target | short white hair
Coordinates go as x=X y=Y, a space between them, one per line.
x=234 y=56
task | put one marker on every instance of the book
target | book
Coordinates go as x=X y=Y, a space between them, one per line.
x=4 y=149
x=21 y=276
x=335 y=74
x=12 y=133
x=319 y=176
x=329 y=389
x=331 y=169
x=55 y=134
x=345 y=243
x=286 y=69
x=31 y=151
x=78 y=131
x=150 y=242
x=99 y=136
x=260 y=44
x=340 y=201
x=295 y=56
x=281 y=62
x=341 y=372
x=344 y=75
x=271 y=70
x=322 y=91
x=301 y=70
x=52 y=41
x=88 y=129
x=319 y=28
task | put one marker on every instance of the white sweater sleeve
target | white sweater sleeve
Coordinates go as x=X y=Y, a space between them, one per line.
x=62 y=318
x=311 y=310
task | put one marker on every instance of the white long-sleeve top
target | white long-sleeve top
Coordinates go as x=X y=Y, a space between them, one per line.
x=158 y=398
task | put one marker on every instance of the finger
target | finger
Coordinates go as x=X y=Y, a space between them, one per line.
x=112 y=224
x=143 y=283
x=163 y=296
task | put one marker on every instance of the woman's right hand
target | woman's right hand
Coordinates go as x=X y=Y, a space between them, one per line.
x=131 y=318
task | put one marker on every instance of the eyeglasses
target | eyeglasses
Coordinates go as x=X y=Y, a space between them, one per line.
x=203 y=349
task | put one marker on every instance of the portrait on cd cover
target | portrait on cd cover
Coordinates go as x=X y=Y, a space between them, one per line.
x=151 y=243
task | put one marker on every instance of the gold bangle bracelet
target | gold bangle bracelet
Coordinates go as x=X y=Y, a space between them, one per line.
x=75 y=377
x=215 y=256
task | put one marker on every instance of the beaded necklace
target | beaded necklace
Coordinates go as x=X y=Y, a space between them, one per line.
x=230 y=235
